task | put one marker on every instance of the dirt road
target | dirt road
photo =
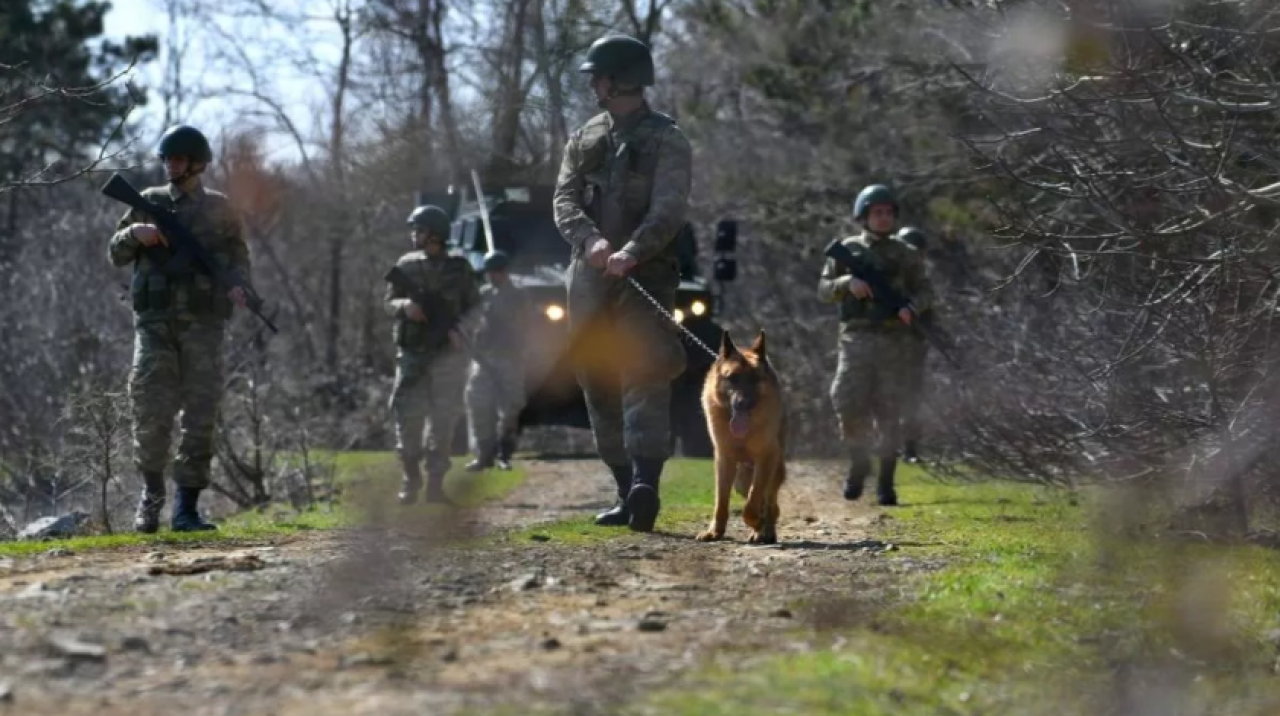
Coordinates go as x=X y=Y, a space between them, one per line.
x=391 y=620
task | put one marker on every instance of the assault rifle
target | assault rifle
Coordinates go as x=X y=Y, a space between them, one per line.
x=885 y=295
x=183 y=248
x=441 y=318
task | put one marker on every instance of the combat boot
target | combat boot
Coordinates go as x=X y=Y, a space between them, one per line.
x=186 y=516
x=410 y=482
x=618 y=515
x=506 y=449
x=435 y=488
x=147 y=519
x=642 y=500
x=885 y=493
x=859 y=468
x=484 y=457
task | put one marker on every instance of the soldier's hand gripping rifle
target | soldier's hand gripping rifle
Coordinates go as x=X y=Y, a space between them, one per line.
x=441 y=319
x=183 y=247
x=884 y=294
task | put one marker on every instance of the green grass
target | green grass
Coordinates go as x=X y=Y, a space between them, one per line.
x=1030 y=614
x=364 y=477
x=687 y=492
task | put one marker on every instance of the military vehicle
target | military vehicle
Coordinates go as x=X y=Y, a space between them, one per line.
x=523 y=226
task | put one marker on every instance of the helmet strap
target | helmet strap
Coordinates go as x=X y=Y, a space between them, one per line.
x=194 y=169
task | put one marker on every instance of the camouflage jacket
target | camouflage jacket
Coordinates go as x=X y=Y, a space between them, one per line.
x=902 y=266
x=626 y=179
x=449 y=276
x=189 y=295
x=500 y=322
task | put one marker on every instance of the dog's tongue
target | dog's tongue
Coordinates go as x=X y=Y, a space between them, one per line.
x=738 y=423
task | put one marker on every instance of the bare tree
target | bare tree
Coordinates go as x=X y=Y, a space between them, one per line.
x=96 y=421
x=421 y=24
x=1141 y=206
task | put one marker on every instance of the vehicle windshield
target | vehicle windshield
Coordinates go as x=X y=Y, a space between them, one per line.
x=529 y=236
x=527 y=233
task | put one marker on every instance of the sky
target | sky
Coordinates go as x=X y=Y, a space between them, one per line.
x=296 y=92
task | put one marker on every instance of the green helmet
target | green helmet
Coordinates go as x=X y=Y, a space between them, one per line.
x=874 y=194
x=183 y=140
x=913 y=236
x=431 y=218
x=496 y=260
x=621 y=57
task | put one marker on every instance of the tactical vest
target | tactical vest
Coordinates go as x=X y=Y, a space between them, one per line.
x=449 y=277
x=888 y=256
x=618 y=167
x=189 y=293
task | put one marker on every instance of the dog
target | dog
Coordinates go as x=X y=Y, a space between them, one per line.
x=742 y=400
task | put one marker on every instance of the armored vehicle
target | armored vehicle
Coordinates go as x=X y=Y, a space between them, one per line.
x=523 y=226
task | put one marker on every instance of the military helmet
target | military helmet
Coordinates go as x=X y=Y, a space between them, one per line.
x=874 y=194
x=183 y=140
x=496 y=260
x=621 y=57
x=913 y=236
x=431 y=218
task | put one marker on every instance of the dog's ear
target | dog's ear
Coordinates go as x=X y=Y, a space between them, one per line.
x=727 y=348
x=757 y=346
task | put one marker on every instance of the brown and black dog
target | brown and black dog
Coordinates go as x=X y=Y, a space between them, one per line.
x=742 y=399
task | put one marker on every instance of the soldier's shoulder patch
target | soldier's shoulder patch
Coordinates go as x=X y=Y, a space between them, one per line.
x=410 y=257
x=156 y=192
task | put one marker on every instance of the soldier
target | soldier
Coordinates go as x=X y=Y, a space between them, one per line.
x=877 y=348
x=495 y=388
x=431 y=363
x=620 y=200
x=179 y=322
x=915 y=386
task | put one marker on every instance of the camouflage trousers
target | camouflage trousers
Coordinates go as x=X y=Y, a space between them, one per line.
x=495 y=396
x=177 y=367
x=873 y=387
x=914 y=392
x=427 y=402
x=625 y=356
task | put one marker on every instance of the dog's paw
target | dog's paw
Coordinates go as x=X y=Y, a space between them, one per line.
x=763 y=538
x=709 y=536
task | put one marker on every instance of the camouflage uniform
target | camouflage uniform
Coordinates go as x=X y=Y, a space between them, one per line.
x=878 y=354
x=626 y=179
x=495 y=388
x=914 y=394
x=179 y=324
x=430 y=379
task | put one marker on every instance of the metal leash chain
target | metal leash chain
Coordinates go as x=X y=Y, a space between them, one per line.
x=686 y=333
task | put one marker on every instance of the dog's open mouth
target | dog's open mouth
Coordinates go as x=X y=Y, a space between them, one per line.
x=739 y=421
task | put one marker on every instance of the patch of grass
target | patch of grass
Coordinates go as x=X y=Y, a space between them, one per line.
x=1035 y=612
x=688 y=488
x=374 y=475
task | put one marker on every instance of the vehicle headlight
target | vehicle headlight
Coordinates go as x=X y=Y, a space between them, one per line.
x=697 y=308
x=678 y=315
x=555 y=312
